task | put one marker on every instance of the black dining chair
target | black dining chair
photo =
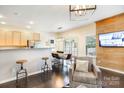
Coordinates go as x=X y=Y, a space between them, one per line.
x=68 y=59
x=53 y=55
x=59 y=51
x=68 y=56
x=56 y=62
x=56 y=58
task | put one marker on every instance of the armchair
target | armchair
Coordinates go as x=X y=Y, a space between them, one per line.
x=90 y=79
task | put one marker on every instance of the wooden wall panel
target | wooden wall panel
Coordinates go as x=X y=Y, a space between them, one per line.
x=112 y=58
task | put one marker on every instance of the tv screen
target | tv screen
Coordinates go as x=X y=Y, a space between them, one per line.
x=115 y=39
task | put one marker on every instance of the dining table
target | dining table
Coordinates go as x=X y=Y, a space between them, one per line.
x=62 y=56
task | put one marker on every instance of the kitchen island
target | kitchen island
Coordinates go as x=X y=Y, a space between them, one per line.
x=8 y=58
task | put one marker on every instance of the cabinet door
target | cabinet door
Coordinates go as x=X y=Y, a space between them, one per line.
x=8 y=38
x=24 y=39
x=36 y=36
x=2 y=38
x=16 y=38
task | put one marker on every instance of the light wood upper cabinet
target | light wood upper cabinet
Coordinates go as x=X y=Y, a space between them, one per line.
x=8 y=38
x=16 y=38
x=36 y=36
x=24 y=39
x=2 y=38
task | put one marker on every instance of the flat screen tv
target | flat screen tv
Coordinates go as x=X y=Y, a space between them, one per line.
x=115 y=39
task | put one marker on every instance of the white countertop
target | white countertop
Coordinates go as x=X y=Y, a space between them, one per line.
x=2 y=49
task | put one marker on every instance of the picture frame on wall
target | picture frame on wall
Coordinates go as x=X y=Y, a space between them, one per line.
x=51 y=41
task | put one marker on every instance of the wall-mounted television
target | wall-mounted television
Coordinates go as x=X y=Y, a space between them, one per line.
x=115 y=39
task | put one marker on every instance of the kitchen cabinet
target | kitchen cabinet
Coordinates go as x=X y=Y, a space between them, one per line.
x=8 y=38
x=2 y=38
x=24 y=38
x=36 y=36
x=16 y=38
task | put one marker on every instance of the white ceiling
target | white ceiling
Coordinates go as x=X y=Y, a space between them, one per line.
x=49 y=17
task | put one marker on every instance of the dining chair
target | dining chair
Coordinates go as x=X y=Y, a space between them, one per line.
x=59 y=51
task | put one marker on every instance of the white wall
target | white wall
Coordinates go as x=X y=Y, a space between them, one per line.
x=80 y=35
x=46 y=37
x=8 y=60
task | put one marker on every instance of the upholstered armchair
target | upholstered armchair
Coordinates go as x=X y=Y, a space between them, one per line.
x=89 y=79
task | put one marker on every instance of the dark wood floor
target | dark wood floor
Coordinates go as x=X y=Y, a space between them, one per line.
x=59 y=78
x=51 y=79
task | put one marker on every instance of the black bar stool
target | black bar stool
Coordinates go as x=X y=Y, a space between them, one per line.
x=45 y=67
x=21 y=71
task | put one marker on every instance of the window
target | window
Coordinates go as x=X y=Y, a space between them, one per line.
x=90 y=45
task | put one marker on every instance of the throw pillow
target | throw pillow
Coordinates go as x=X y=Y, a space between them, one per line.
x=82 y=65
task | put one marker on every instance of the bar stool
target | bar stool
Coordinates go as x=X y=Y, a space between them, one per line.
x=21 y=72
x=45 y=66
x=46 y=75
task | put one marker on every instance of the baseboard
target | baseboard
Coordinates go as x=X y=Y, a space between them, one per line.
x=14 y=78
x=113 y=70
x=34 y=73
x=7 y=80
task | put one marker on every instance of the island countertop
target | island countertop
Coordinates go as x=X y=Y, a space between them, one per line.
x=2 y=49
x=8 y=58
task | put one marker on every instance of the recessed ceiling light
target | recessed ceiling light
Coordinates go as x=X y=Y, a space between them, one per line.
x=28 y=26
x=16 y=13
x=31 y=22
x=2 y=22
x=1 y=16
